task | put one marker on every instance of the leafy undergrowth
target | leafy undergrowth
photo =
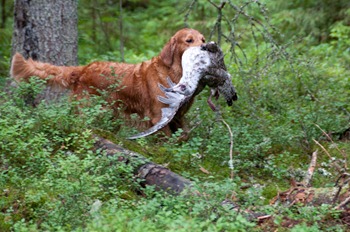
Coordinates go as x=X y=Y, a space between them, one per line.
x=52 y=179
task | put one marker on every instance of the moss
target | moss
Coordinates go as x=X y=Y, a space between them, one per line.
x=13 y=207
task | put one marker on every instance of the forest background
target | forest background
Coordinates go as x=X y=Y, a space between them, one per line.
x=290 y=63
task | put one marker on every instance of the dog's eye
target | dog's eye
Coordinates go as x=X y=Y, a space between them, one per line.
x=203 y=40
x=189 y=40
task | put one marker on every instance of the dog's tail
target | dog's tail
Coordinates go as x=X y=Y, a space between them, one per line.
x=63 y=76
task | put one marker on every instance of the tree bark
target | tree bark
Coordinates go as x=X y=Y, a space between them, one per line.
x=121 y=46
x=46 y=31
x=3 y=14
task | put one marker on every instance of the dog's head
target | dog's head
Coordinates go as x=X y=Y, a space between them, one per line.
x=178 y=44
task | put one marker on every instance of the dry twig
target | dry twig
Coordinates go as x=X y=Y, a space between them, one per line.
x=333 y=160
x=311 y=169
x=330 y=139
x=342 y=204
x=231 y=146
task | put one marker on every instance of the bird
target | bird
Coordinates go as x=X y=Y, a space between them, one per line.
x=202 y=66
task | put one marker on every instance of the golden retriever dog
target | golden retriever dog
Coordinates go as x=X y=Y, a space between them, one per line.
x=137 y=84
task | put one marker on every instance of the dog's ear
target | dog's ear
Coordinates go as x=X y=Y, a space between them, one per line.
x=167 y=54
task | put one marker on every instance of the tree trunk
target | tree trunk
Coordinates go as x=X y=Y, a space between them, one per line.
x=121 y=46
x=46 y=31
x=3 y=14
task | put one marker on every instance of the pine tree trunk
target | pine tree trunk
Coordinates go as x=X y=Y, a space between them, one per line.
x=3 y=14
x=46 y=31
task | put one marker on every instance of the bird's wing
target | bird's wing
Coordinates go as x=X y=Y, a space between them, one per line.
x=174 y=100
x=167 y=116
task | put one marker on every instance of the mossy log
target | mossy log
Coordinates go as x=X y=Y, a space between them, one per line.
x=162 y=178
x=150 y=173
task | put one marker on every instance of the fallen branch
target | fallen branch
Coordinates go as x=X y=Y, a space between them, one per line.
x=156 y=175
x=343 y=204
x=149 y=172
x=311 y=169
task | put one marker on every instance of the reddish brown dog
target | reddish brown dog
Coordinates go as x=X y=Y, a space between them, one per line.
x=138 y=83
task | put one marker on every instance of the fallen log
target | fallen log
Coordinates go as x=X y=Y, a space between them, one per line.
x=162 y=178
x=150 y=173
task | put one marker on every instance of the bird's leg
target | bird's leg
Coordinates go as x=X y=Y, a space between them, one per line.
x=215 y=93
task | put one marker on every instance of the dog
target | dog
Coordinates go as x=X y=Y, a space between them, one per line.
x=136 y=84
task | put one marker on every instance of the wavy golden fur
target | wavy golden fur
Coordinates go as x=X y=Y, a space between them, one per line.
x=139 y=81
